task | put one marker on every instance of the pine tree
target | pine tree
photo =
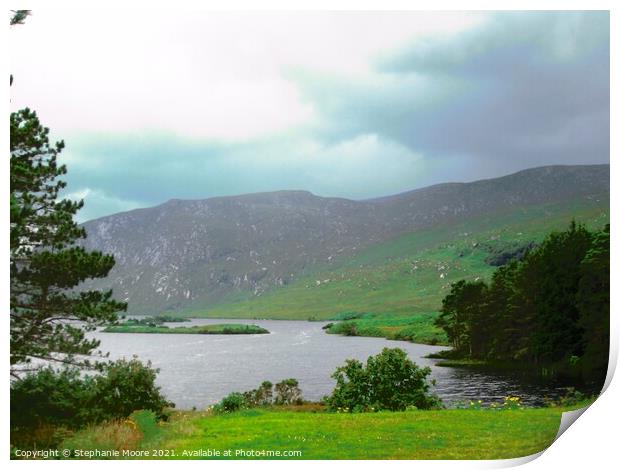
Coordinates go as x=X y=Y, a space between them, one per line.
x=49 y=316
x=553 y=289
x=593 y=305
x=451 y=318
x=464 y=318
x=507 y=314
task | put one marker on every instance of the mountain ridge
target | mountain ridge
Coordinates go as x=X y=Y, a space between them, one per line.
x=191 y=253
x=373 y=199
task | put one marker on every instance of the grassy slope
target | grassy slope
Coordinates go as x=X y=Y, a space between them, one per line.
x=416 y=327
x=400 y=282
x=443 y=434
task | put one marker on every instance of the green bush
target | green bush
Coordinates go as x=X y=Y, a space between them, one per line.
x=233 y=402
x=288 y=393
x=51 y=397
x=261 y=396
x=346 y=328
x=572 y=397
x=67 y=398
x=126 y=386
x=388 y=381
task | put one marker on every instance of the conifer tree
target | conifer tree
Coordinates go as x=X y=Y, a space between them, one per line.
x=593 y=304
x=49 y=316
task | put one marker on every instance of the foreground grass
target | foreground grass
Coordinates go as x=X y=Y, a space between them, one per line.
x=441 y=434
x=218 y=329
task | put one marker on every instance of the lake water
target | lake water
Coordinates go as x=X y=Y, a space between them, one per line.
x=199 y=370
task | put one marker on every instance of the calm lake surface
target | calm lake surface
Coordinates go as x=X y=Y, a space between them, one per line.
x=199 y=370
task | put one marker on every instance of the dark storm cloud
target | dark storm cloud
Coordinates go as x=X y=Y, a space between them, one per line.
x=522 y=90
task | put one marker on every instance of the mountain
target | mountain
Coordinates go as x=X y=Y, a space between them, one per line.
x=192 y=254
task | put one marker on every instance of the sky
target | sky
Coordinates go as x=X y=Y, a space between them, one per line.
x=166 y=104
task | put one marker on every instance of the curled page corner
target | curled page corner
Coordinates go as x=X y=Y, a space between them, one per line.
x=517 y=461
x=568 y=418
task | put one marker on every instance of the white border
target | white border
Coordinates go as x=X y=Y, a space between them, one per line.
x=590 y=442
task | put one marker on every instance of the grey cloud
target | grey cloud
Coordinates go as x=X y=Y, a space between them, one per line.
x=518 y=91
x=115 y=173
x=521 y=90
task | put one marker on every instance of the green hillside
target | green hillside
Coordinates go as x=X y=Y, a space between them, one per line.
x=196 y=255
x=399 y=285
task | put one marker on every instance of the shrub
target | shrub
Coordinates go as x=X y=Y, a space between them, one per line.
x=288 y=393
x=126 y=386
x=502 y=256
x=233 y=402
x=50 y=397
x=66 y=398
x=261 y=396
x=347 y=328
x=388 y=381
x=572 y=397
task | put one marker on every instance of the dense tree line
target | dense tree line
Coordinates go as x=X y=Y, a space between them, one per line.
x=549 y=309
